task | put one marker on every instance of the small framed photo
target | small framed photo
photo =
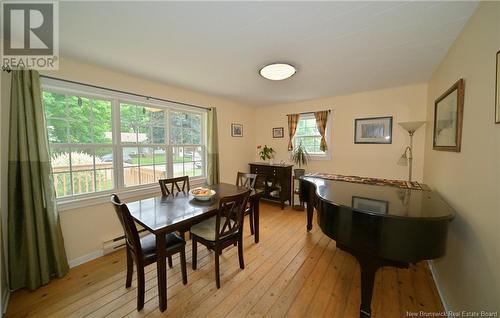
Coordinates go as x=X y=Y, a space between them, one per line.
x=278 y=132
x=448 y=114
x=236 y=130
x=370 y=205
x=375 y=130
x=497 y=91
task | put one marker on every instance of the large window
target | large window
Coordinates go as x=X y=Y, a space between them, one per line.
x=307 y=133
x=107 y=143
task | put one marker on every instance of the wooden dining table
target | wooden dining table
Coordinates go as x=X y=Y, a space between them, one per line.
x=166 y=214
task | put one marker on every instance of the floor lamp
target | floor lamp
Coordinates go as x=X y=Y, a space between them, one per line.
x=407 y=156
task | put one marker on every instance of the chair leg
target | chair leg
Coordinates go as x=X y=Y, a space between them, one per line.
x=183 y=266
x=217 y=273
x=240 y=252
x=170 y=261
x=140 y=287
x=194 y=250
x=130 y=268
x=250 y=219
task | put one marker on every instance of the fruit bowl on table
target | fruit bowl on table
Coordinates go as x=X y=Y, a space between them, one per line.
x=202 y=194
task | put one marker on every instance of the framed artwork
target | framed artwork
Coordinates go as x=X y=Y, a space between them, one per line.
x=370 y=205
x=375 y=130
x=448 y=116
x=278 y=132
x=497 y=91
x=236 y=130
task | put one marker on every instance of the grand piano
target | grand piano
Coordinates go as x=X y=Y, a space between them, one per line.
x=378 y=225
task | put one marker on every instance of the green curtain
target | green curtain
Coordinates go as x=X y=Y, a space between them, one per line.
x=35 y=243
x=212 y=148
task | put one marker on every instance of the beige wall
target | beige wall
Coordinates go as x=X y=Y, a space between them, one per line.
x=405 y=103
x=85 y=229
x=469 y=274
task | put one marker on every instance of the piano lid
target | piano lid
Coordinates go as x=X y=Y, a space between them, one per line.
x=383 y=201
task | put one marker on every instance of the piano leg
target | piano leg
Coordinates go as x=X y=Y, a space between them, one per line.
x=369 y=268
x=310 y=210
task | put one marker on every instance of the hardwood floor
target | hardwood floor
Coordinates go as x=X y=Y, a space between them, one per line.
x=290 y=273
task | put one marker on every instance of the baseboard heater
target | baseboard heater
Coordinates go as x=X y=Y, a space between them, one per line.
x=117 y=243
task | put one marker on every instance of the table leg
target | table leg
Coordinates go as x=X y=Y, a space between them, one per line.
x=161 y=269
x=256 y=218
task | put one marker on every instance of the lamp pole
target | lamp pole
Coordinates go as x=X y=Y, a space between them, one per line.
x=410 y=155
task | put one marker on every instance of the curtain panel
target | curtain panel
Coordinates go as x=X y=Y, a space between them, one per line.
x=35 y=242
x=293 y=120
x=212 y=147
x=321 y=120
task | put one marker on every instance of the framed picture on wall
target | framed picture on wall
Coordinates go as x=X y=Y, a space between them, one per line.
x=278 y=132
x=236 y=130
x=497 y=90
x=448 y=117
x=375 y=130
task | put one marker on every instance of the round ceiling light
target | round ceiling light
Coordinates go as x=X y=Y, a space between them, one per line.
x=277 y=71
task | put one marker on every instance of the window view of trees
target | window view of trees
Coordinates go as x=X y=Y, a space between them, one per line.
x=308 y=134
x=80 y=131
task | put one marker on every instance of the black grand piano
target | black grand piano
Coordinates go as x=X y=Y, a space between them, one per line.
x=379 y=225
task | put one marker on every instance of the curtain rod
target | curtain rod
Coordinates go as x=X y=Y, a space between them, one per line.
x=306 y=113
x=123 y=92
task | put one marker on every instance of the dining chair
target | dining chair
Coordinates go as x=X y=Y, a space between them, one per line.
x=248 y=180
x=173 y=186
x=142 y=250
x=222 y=230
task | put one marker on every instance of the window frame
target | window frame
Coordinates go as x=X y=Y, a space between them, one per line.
x=317 y=156
x=116 y=98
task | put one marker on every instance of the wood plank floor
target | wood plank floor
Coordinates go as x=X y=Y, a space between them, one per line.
x=290 y=273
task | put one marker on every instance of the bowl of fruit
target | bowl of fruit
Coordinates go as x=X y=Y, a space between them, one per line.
x=202 y=194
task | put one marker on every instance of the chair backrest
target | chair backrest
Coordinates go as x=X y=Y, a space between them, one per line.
x=232 y=209
x=131 y=235
x=174 y=185
x=246 y=180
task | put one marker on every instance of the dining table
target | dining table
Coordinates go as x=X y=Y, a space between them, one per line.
x=165 y=214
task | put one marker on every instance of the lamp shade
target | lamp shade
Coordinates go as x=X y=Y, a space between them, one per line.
x=411 y=126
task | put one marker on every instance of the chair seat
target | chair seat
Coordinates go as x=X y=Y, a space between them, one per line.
x=206 y=229
x=148 y=244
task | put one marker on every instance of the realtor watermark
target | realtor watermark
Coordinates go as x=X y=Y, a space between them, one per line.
x=451 y=314
x=30 y=35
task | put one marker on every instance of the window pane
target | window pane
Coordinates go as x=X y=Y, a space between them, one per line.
x=62 y=184
x=101 y=122
x=146 y=156
x=79 y=117
x=158 y=135
x=189 y=169
x=104 y=179
x=131 y=176
x=147 y=174
x=160 y=156
x=59 y=159
x=83 y=182
x=104 y=158
x=54 y=105
x=160 y=172
x=128 y=122
x=58 y=130
x=82 y=159
x=130 y=156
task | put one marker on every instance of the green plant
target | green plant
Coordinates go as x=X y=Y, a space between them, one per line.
x=265 y=152
x=300 y=155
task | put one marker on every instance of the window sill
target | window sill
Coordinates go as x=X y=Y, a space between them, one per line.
x=83 y=201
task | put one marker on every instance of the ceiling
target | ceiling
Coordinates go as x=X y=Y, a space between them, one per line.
x=219 y=47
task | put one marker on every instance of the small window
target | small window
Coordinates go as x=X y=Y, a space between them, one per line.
x=307 y=133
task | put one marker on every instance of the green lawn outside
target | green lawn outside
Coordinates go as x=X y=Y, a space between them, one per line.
x=159 y=159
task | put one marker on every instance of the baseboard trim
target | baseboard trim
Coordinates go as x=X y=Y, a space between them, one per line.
x=5 y=300
x=435 y=276
x=85 y=258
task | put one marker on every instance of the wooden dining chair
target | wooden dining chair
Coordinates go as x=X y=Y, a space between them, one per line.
x=142 y=251
x=248 y=180
x=222 y=230
x=173 y=186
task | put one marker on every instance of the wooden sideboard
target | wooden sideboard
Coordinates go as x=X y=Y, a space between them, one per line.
x=275 y=180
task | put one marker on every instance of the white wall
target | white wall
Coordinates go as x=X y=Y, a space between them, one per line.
x=469 y=274
x=406 y=103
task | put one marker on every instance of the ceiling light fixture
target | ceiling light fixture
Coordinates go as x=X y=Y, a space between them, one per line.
x=277 y=71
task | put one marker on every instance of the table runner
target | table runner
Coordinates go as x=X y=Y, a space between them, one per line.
x=413 y=185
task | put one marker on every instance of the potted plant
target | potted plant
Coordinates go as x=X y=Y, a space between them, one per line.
x=265 y=152
x=300 y=157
